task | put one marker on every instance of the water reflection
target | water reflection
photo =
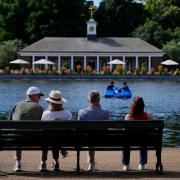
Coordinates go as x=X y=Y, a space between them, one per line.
x=161 y=99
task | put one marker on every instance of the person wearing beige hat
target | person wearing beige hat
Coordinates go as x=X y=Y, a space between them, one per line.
x=28 y=109
x=55 y=111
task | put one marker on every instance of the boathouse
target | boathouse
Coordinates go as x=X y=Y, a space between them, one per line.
x=93 y=50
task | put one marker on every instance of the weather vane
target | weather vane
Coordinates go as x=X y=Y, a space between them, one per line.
x=92 y=9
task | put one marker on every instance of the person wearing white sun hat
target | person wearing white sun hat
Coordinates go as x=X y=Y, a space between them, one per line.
x=55 y=97
x=55 y=111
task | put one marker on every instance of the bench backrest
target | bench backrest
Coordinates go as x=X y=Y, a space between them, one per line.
x=39 y=134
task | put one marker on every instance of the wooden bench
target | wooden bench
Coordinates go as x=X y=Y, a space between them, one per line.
x=83 y=135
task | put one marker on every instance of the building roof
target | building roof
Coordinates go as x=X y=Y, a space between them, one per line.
x=82 y=45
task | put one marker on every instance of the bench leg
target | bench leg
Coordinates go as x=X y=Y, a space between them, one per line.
x=78 y=161
x=159 y=166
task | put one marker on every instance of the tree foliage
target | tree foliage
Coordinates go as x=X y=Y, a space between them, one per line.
x=119 y=17
x=162 y=26
x=172 y=49
x=165 y=12
x=56 y=18
x=30 y=20
x=156 y=21
x=8 y=50
x=13 y=16
x=153 y=33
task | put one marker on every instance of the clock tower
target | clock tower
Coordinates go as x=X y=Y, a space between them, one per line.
x=91 y=29
x=91 y=25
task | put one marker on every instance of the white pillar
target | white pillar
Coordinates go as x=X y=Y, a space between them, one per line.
x=72 y=63
x=149 y=63
x=46 y=58
x=110 y=64
x=59 y=64
x=97 y=68
x=33 y=66
x=85 y=61
x=124 y=60
x=136 y=63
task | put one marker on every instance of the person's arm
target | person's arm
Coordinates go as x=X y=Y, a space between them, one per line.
x=69 y=118
x=35 y=113
x=79 y=115
x=43 y=118
x=149 y=116
x=12 y=112
x=108 y=115
x=127 y=117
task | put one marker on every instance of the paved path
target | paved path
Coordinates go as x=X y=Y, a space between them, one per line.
x=108 y=166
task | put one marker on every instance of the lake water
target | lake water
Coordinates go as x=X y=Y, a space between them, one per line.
x=161 y=99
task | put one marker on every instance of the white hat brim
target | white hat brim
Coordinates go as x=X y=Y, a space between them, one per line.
x=56 y=102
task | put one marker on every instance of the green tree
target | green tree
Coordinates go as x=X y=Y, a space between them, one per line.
x=119 y=17
x=13 y=16
x=165 y=12
x=31 y=20
x=161 y=23
x=9 y=49
x=172 y=50
x=153 y=33
x=56 y=18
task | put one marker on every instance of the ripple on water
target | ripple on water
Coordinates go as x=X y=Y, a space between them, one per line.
x=161 y=99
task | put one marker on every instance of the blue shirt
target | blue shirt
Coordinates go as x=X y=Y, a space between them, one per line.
x=93 y=113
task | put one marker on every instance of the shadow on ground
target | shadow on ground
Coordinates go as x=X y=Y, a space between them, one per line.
x=97 y=174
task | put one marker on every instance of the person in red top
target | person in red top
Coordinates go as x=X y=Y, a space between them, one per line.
x=136 y=112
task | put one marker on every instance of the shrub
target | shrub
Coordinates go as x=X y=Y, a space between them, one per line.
x=78 y=68
x=143 y=70
x=176 y=72
x=106 y=69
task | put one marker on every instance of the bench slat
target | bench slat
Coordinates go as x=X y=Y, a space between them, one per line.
x=83 y=135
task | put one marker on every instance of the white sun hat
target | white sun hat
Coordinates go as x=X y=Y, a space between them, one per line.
x=55 y=97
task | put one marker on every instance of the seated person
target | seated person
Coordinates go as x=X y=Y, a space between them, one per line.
x=124 y=87
x=54 y=112
x=110 y=86
x=93 y=112
x=136 y=112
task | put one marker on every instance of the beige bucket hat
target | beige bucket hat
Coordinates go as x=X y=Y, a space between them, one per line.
x=55 y=97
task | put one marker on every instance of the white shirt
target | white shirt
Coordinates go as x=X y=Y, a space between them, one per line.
x=64 y=115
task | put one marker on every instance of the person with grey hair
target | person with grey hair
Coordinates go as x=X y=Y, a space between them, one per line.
x=28 y=109
x=93 y=112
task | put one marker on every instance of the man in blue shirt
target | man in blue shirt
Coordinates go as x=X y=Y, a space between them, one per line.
x=93 y=112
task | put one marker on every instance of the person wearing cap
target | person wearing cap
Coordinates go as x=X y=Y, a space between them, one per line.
x=28 y=109
x=93 y=112
x=55 y=111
